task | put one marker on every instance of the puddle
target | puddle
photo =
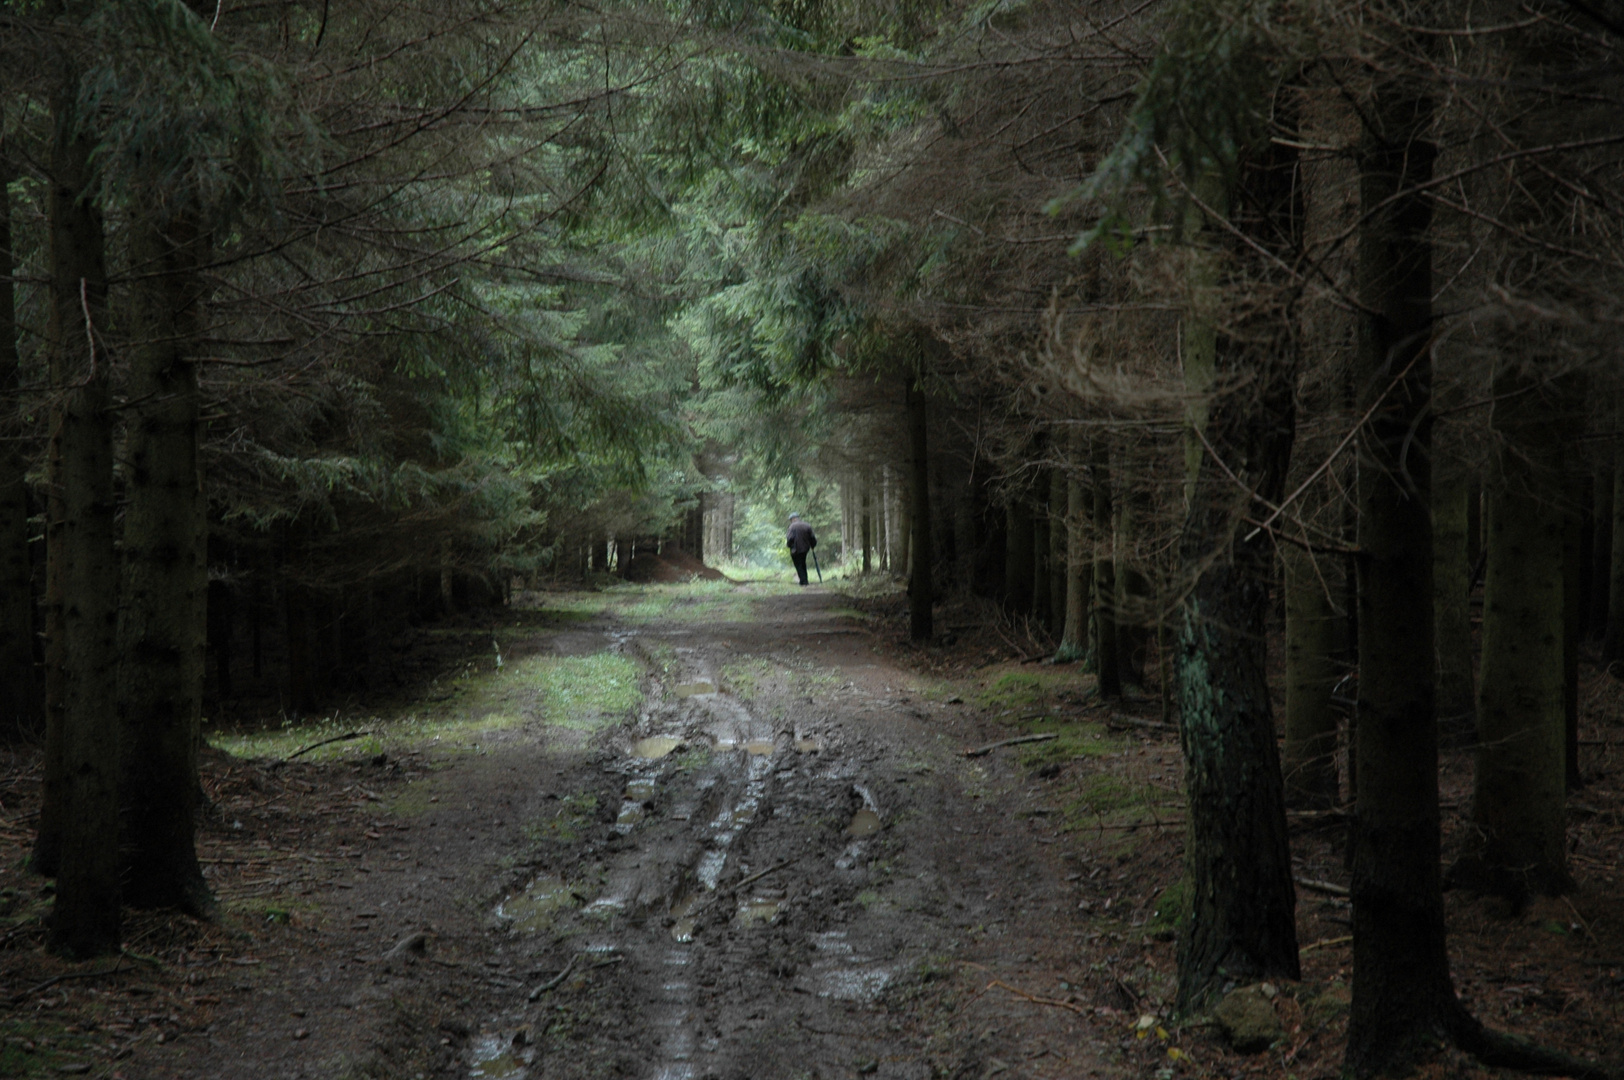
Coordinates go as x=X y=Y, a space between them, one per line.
x=808 y=746
x=684 y=911
x=758 y=910
x=863 y=823
x=641 y=790
x=656 y=746
x=760 y=748
x=709 y=870
x=853 y=984
x=495 y=1058
x=533 y=910
x=690 y=689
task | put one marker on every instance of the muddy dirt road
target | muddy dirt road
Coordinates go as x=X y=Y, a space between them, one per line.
x=777 y=863
x=668 y=832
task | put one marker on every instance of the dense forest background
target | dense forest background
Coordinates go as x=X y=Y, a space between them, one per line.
x=1145 y=321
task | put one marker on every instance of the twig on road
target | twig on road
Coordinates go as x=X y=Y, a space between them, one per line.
x=770 y=870
x=535 y=995
x=990 y=747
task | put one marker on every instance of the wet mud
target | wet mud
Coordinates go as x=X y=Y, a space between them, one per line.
x=761 y=872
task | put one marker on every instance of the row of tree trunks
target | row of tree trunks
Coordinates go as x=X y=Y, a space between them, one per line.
x=717 y=509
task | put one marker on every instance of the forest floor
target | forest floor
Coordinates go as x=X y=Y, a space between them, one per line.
x=732 y=831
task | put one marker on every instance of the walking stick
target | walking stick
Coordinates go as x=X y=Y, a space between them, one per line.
x=818 y=568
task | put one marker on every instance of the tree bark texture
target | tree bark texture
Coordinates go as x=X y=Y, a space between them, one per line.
x=84 y=811
x=1612 y=646
x=1058 y=511
x=1079 y=575
x=1242 y=924
x=1519 y=794
x=1312 y=626
x=22 y=705
x=1601 y=551
x=1106 y=660
x=920 y=585
x=1574 y=528
x=1018 y=570
x=1451 y=580
x=1040 y=554
x=1403 y=1000
x=162 y=625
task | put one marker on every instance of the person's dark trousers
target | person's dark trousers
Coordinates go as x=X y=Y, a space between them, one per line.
x=800 y=564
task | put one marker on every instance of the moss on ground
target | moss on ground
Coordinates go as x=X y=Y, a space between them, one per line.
x=1073 y=741
x=583 y=693
x=1103 y=797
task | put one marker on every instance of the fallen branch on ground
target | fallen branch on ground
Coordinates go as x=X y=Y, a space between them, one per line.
x=990 y=747
x=24 y=995
x=1325 y=943
x=770 y=870
x=535 y=995
x=1327 y=887
x=348 y=735
x=1035 y=999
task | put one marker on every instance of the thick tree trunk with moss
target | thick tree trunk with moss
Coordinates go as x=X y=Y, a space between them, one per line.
x=1241 y=424
x=162 y=625
x=83 y=796
x=1107 y=661
x=1312 y=632
x=1403 y=1000
x=921 y=589
x=22 y=706
x=1452 y=609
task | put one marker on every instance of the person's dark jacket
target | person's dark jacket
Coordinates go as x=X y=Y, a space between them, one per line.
x=800 y=538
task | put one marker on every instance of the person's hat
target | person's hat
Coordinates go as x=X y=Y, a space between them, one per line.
x=794 y=517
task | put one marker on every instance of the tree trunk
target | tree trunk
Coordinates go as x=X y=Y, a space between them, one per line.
x=1079 y=576
x=1519 y=795
x=1612 y=646
x=1105 y=624
x=1018 y=570
x=1574 y=529
x=21 y=707
x=1040 y=553
x=1132 y=597
x=1403 y=1000
x=920 y=586
x=1242 y=924
x=1057 y=552
x=868 y=532
x=1451 y=580
x=84 y=814
x=1601 y=551
x=1311 y=673
x=162 y=624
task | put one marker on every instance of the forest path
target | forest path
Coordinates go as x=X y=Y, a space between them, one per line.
x=778 y=863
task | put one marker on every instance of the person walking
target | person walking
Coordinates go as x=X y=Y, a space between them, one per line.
x=799 y=539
